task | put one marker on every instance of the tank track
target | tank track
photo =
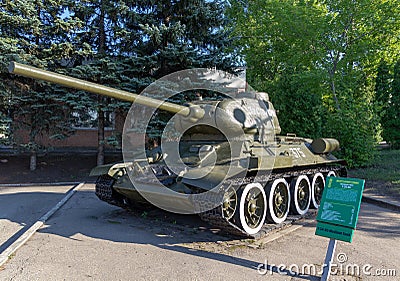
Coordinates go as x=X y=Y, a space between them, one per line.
x=105 y=192
x=215 y=218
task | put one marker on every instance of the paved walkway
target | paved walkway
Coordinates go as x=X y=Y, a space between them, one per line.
x=90 y=240
x=381 y=200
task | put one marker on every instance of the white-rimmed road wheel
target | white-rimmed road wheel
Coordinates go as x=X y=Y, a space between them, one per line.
x=331 y=174
x=278 y=198
x=317 y=187
x=252 y=207
x=301 y=195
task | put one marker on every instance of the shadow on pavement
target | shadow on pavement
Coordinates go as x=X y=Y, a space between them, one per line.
x=86 y=215
x=375 y=220
x=20 y=210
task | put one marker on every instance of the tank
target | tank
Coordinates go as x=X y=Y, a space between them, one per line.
x=239 y=184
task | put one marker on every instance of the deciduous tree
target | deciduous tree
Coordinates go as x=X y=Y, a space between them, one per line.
x=392 y=124
x=337 y=45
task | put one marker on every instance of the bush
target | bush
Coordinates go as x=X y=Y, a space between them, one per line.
x=355 y=127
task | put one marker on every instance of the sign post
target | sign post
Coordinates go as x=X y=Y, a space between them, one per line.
x=338 y=214
x=328 y=259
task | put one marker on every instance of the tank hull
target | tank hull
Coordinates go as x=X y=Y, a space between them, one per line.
x=293 y=157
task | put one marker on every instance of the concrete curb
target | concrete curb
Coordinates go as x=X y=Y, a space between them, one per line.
x=37 y=184
x=41 y=184
x=10 y=152
x=388 y=204
x=7 y=253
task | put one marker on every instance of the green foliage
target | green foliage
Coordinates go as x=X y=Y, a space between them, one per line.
x=174 y=36
x=392 y=117
x=383 y=175
x=383 y=84
x=123 y=44
x=5 y=130
x=354 y=127
x=5 y=120
x=275 y=35
x=320 y=55
x=114 y=140
x=35 y=33
x=304 y=112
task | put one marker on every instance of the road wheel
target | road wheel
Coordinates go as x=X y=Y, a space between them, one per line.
x=317 y=187
x=331 y=174
x=252 y=207
x=300 y=194
x=278 y=200
x=229 y=203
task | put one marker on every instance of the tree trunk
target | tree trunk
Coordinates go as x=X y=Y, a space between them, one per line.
x=332 y=77
x=335 y=98
x=100 y=124
x=33 y=153
x=100 y=134
x=102 y=30
x=33 y=160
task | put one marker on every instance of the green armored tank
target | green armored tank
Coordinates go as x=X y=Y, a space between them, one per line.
x=224 y=160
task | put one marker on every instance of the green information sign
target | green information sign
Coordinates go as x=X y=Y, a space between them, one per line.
x=334 y=231
x=338 y=211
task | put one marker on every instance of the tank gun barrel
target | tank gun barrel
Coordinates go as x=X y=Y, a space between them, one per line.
x=36 y=73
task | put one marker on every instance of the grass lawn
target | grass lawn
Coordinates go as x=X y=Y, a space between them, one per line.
x=383 y=176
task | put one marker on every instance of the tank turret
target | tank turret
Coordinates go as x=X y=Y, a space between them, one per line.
x=261 y=178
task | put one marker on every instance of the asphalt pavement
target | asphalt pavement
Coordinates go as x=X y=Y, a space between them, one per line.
x=21 y=206
x=87 y=239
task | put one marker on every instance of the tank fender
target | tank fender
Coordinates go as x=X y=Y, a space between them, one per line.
x=213 y=178
x=110 y=169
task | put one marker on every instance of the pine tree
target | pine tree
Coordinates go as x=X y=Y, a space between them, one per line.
x=124 y=44
x=100 y=36
x=133 y=43
x=179 y=35
x=169 y=36
x=36 y=33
